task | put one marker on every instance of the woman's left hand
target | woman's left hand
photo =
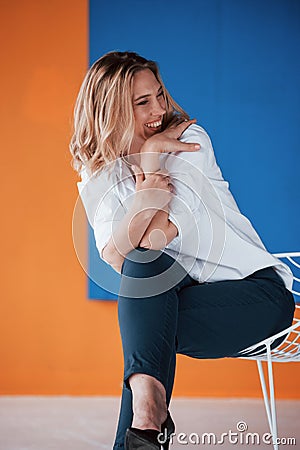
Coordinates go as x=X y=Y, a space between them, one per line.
x=168 y=140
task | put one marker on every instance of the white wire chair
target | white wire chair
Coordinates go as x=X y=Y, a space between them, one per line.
x=287 y=351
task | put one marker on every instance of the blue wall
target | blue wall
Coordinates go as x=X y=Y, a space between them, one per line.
x=235 y=66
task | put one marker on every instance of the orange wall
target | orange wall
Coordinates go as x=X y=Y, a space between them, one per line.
x=53 y=340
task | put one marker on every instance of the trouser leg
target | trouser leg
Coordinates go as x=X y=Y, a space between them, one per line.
x=148 y=322
x=126 y=414
x=219 y=319
x=125 y=417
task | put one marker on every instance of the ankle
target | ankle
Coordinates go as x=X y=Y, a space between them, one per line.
x=149 y=416
x=149 y=402
x=144 y=424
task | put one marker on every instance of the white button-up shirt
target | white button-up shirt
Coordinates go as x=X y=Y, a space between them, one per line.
x=215 y=240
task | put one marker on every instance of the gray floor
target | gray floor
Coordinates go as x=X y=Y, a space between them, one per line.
x=83 y=423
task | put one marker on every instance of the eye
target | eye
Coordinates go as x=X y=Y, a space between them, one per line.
x=144 y=102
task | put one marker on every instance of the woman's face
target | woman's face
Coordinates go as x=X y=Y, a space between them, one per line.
x=148 y=105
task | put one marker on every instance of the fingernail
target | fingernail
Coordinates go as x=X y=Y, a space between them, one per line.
x=197 y=146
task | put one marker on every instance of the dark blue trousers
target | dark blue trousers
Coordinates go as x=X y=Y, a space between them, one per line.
x=163 y=311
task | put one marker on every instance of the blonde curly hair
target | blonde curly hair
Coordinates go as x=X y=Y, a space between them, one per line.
x=103 y=114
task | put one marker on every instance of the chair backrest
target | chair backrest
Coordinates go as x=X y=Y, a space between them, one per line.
x=294 y=265
x=289 y=349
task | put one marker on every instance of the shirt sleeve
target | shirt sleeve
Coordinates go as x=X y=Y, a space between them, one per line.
x=188 y=171
x=103 y=209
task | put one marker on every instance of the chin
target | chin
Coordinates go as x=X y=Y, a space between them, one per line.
x=151 y=131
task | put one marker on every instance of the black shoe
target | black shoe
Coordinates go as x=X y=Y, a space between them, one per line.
x=136 y=439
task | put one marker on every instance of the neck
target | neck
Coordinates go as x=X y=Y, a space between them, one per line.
x=134 y=153
x=136 y=144
x=134 y=159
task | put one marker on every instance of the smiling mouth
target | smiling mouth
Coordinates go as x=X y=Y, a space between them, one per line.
x=154 y=125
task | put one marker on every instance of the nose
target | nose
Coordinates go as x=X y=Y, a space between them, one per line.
x=158 y=109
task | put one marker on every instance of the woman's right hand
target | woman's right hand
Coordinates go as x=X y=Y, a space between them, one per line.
x=168 y=140
x=153 y=191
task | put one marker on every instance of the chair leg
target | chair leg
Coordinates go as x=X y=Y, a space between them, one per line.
x=269 y=400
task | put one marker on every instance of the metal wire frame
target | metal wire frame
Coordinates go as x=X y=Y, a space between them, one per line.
x=287 y=351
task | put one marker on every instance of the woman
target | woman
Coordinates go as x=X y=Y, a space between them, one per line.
x=195 y=276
